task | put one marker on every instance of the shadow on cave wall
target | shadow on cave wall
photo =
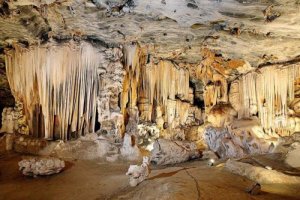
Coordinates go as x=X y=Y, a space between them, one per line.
x=198 y=88
x=6 y=97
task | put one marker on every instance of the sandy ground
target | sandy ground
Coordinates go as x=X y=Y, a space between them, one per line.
x=98 y=180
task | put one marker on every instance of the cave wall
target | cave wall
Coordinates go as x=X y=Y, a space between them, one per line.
x=271 y=94
x=63 y=90
x=59 y=86
x=7 y=99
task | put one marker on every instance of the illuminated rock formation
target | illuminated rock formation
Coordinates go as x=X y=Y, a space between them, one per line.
x=58 y=87
x=220 y=115
x=241 y=138
x=268 y=92
x=170 y=152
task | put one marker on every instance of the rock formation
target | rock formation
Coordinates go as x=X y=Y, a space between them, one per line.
x=41 y=166
x=129 y=149
x=138 y=174
x=170 y=152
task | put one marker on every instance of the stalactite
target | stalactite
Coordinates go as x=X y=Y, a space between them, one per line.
x=58 y=86
x=215 y=91
x=132 y=64
x=164 y=81
x=268 y=92
x=249 y=95
x=165 y=84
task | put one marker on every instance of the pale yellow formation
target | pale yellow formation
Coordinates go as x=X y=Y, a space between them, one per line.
x=58 y=86
x=268 y=92
x=166 y=85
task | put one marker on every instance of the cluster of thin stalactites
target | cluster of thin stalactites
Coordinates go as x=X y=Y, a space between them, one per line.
x=58 y=86
x=267 y=92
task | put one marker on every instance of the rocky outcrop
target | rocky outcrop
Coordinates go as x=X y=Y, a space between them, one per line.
x=138 y=174
x=260 y=174
x=111 y=74
x=129 y=149
x=220 y=115
x=29 y=145
x=238 y=141
x=292 y=157
x=147 y=134
x=36 y=166
x=170 y=152
x=13 y=120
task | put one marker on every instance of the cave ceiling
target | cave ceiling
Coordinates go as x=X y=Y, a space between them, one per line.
x=255 y=31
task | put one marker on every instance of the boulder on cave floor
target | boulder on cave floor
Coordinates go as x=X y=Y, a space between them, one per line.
x=171 y=152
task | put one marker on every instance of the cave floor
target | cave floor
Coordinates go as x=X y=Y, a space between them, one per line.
x=98 y=180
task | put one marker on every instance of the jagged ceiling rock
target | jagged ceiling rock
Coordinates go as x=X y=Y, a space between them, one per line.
x=255 y=31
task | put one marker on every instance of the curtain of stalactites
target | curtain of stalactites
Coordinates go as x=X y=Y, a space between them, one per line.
x=58 y=86
x=267 y=92
x=163 y=83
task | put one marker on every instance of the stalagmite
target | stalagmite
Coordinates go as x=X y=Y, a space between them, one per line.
x=7 y=121
x=58 y=86
x=137 y=174
x=129 y=149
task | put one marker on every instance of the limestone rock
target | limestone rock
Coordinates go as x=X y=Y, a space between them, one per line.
x=260 y=174
x=137 y=174
x=132 y=125
x=41 y=166
x=29 y=145
x=13 y=120
x=292 y=157
x=209 y=155
x=7 y=121
x=221 y=114
x=173 y=133
x=85 y=148
x=129 y=149
x=236 y=142
x=147 y=134
x=170 y=152
x=6 y=142
x=195 y=116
